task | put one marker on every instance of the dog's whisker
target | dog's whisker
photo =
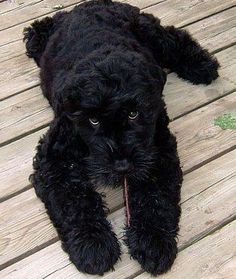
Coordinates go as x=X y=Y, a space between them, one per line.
x=111 y=148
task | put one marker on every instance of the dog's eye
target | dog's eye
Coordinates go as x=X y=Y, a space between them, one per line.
x=94 y=121
x=132 y=115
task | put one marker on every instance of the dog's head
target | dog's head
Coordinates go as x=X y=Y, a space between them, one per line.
x=113 y=102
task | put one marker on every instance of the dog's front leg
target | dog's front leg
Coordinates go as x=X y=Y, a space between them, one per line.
x=75 y=208
x=155 y=210
x=153 y=227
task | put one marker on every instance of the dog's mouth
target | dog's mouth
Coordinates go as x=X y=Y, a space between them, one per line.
x=115 y=179
x=123 y=167
x=112 y=180
x=103 y=170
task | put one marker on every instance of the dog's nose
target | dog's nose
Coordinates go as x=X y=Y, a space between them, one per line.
x=122 y=166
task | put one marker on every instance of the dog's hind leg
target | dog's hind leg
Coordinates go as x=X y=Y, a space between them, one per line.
x=75 y=208
x=175 y=49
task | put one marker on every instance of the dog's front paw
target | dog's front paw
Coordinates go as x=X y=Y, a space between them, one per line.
x=155 y=251
x=94 y=250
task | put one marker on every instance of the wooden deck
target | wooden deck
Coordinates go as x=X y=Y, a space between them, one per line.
x=29 y=246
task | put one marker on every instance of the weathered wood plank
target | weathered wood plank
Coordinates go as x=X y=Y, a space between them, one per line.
x=213 y=32
x=22 y=113
x=22 y=71
x=36 y=264
x=12 y=30
x=9 y=6
x=181 y=97
x=16 y=75
x=142 y=4
x=29 y=12
x=184 y=97
x=183 y=12
x=198 y=138
x=12 y=8
x=37 y=8
x=212 y=257
x=216 y=31
x=208 y=175
x=180 y=13
x=8 y=52
x=205 y=207
x=16 y=164
x=30 y=220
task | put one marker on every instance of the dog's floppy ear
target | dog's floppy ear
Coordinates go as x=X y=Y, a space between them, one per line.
x=36 y=36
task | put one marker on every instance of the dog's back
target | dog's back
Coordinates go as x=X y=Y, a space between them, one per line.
x=58 y=44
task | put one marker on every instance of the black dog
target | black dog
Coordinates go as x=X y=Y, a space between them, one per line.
x=102 y=72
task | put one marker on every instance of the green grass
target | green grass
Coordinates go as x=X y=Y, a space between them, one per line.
x=226 y=122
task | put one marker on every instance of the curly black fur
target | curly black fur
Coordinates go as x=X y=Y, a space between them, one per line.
x=103 y=60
